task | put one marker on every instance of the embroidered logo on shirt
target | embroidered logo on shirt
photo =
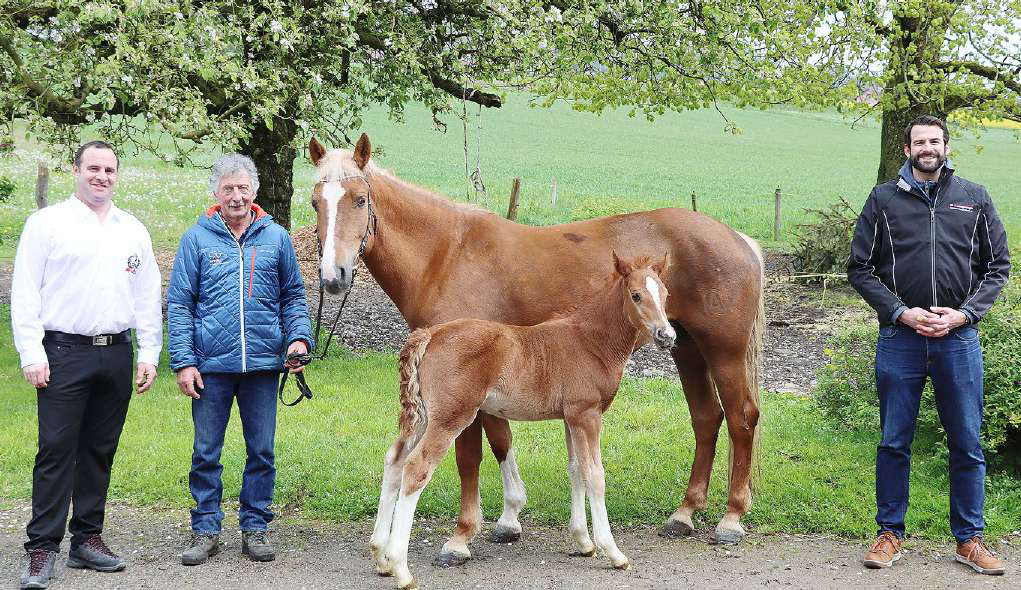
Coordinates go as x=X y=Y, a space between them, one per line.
x=968 y=207
x=133 y=263
x=215 y=257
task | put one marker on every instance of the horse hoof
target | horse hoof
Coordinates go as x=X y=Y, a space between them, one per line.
x=450 y=559
x=624 y=566
x=724 y=536
x=584 y=552
x=412 y=585
x=503 y=534
x=675 y=529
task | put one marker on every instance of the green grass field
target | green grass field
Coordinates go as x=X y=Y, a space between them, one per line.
x=330 y=456
x=603 y=164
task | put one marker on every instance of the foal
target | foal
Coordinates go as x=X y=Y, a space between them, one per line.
x=566 y=368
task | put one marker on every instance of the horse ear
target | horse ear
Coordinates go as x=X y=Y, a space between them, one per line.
x=662 y=264
x=623 y=267
x=363 y=151
x=316 y=151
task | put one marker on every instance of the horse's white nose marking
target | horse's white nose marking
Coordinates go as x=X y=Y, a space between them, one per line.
x=332 y=193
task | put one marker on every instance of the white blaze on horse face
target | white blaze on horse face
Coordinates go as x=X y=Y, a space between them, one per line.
x=653 y=287
x=332 y=193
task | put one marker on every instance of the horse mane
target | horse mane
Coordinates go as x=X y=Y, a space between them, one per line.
x=338 y=163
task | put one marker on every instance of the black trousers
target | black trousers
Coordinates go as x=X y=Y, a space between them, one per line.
x=81 y=414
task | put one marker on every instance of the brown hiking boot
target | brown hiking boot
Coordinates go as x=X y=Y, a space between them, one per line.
x=974 y=553
x=883 y=552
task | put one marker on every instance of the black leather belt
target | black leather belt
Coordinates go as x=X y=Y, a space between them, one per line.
x=54 y=337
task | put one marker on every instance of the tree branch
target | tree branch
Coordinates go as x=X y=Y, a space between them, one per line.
x=437 y=79
x=983 y=71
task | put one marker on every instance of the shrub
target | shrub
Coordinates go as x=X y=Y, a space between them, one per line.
x=822 y=247
x=847 y=387
x=7 y=187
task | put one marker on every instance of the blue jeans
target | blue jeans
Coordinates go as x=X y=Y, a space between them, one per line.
x=954 y=363
x=257 y=404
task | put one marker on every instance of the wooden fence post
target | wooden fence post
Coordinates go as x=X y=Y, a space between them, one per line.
x=776 y=215
x=553 y=197
x=512 y=210
x=42 y=186
x=694 y=207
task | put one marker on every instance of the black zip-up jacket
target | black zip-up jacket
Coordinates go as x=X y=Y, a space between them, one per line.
x=907 y=253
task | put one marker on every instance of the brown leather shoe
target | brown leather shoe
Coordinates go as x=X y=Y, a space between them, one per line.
x=974 y=553
x=883 y=552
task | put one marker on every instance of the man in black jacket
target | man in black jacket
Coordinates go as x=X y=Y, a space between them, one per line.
x=930 y=255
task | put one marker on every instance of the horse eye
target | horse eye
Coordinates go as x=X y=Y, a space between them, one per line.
x=361 y=202
x=636 y=297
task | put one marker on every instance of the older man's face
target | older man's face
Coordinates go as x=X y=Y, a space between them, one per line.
x=235 y=195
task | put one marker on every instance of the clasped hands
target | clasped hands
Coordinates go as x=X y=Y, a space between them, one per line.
x=935 y=322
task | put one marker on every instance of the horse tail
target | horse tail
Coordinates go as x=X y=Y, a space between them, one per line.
x=753 y=355
x=413 y=413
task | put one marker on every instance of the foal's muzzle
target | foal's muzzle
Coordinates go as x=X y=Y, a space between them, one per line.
x=664 y=337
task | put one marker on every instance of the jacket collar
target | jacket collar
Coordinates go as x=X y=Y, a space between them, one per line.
x=212 y=221
x=907 y=181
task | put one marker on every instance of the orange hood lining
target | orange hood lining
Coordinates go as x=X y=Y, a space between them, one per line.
x=259 y=211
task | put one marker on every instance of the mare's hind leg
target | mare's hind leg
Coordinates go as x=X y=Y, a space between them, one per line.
x=741 y=408
x=418 y=470
x=508 y=528
x=706 y=417
x=577 y=526
x=392 y=469
x=468 y=448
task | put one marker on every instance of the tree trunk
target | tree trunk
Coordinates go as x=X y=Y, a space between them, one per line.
x=273 y=154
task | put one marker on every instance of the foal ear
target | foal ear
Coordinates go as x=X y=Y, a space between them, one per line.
x=363 y=151
x=316 y=151
x=662 y=264
x=623 y=267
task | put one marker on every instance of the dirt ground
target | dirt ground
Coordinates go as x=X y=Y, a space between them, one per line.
x=314 y=554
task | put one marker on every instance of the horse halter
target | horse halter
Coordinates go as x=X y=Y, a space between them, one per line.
x=370 y=228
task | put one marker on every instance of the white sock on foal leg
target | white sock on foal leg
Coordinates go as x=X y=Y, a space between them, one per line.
x=600 y=521
x=578 y=525
x=400 y=536
x=385 y=511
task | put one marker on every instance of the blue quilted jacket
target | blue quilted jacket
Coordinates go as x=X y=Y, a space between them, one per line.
x=234 y=306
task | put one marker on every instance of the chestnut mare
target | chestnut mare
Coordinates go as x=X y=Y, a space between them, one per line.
x=439 y=261
x=566 y=368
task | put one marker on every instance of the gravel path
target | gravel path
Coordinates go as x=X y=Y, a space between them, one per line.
x=315 y=554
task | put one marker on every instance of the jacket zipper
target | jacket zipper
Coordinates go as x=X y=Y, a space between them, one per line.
x=241 y=295
x=932 y=237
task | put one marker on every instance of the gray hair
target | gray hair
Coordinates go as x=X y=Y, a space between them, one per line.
x=231 y=164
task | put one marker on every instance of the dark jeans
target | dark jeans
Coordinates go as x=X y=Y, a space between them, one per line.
x=257 y=404
x=81 y=414
x=954 y=363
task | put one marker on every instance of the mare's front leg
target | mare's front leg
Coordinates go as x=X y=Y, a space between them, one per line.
x=393 y=467
x=585 y=432
x=578 y=525
x=468 y=449
x=418 y=470
x=508 y=528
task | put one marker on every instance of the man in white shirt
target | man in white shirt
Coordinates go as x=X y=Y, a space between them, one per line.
x=84 y=275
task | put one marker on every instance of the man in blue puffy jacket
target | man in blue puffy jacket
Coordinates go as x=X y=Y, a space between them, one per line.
x=235 y=308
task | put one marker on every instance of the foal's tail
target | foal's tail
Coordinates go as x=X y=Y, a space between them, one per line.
x=413 y=416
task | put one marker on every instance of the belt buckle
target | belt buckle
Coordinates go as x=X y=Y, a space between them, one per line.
x=101 y=340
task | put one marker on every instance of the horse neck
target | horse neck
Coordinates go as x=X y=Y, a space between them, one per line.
x=413 y=228
x=605 y=325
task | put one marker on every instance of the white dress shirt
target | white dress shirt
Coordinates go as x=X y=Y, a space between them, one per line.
x=75 y=274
